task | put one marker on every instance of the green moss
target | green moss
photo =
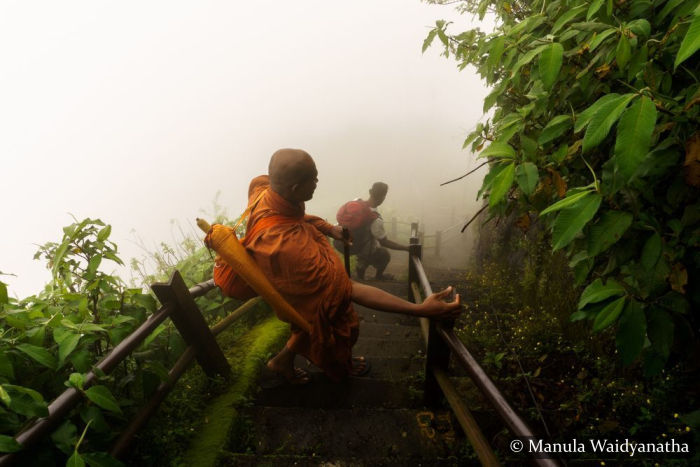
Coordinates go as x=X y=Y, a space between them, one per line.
x=185 y=413
x=246 y=356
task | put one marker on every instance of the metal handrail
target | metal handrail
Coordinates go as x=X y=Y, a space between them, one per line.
x=487 y=387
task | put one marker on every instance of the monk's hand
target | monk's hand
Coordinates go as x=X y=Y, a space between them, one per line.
x=337 y=233
x=435 y=307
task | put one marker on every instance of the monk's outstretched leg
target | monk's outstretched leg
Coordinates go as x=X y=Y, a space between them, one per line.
x=283 y=365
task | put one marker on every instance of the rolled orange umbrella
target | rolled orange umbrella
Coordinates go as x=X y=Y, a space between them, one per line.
x=223 y=240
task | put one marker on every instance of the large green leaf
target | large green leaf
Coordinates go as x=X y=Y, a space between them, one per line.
x=567 y=17
x=550 y=63
x=585 y=117
x=593 y=9
x=39 y=354
x=498 y=150
x=571 y=221
x=527 y=176
x=691 y=41
x=599 y=38
x=58 y=256
x=597 y=292
x=567 y=202
x=5 y=397
x=501 y=184
x=609 y=314
x=634 y=134
x=496 y=49
x=623 y=52
x=66 y=346
x=526 y=25
x=75 y=460
x=603 y=120
x=506 y=122
x=631 y=332
x=527 y=58
x=102 y=396
x=610 y=228
x=494 y=171
x=651 y=252
x=554 y=129
x=26 y=401
x=103 y=234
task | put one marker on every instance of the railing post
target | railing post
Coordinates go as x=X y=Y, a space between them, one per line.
x=191 y=325
x=414 y=249
x=438 y=240
x=437 y=357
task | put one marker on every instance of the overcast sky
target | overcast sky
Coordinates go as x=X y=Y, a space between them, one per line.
x=138 y=113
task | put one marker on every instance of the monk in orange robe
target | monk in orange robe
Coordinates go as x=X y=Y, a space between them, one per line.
x=292 y=250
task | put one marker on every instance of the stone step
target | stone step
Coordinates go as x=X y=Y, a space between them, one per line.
x=372 y=347
x=354 y=392
x=373 y=316
x=346 y=433
x=389 y=331
x=228 y=458
x=388 y=368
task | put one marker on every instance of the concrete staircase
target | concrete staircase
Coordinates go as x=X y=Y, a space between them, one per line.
x=375 y=420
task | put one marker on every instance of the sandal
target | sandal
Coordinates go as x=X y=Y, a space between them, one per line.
x=360 y=372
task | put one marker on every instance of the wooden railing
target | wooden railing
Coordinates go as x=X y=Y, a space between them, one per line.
x=442 y=343
x=177 y=304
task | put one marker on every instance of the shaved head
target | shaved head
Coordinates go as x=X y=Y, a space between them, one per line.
x=291 y=172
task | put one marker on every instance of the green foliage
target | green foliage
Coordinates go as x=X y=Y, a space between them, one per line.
x=51 y=340
x=548 y=367
x=595 y=103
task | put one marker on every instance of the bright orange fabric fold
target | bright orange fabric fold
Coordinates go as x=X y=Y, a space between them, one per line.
x=292 y=250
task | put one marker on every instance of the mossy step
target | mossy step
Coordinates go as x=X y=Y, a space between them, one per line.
x=246 y=356
x=227 y=458
x=389 y=331
x=346 y=433
x=353 y=392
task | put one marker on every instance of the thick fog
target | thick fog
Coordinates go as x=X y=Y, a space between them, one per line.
x=139 y=113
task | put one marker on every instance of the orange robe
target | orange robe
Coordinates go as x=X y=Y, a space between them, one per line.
x=293 y=252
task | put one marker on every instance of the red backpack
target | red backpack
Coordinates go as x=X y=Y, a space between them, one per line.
x=355 y=214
